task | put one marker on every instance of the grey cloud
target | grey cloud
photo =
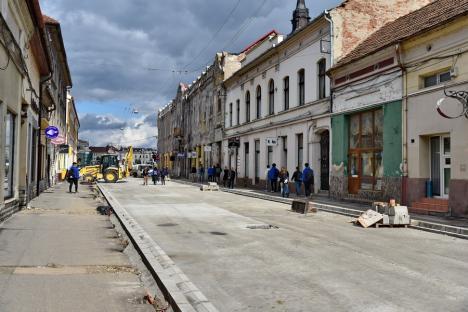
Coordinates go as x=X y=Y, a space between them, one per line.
x=91 y=122
x=112 y=43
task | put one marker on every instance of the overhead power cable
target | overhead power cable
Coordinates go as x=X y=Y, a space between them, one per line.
x=244 y=26
x=215 y=34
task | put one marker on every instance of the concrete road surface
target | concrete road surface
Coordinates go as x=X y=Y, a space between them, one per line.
x=316 y=263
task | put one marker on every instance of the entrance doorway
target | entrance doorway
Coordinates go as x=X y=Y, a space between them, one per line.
x=440 y=163
x=325 y=160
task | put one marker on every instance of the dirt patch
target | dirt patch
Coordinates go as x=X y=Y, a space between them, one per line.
x=168 y=224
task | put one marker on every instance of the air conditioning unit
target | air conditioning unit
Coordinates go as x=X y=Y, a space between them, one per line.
x=454 y=72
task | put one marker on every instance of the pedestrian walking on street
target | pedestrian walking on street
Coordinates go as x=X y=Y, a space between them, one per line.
x=145 y=174
x=232 y=178
x=297 y=178
x=267 y=179
x=308 y=179
x=73 y=175
x=284 y=181
x=201 y=174
x=225 y=176
x=154 y=175
x=193 y=172
x=218 y=173
x=273 y=177
x=164 y=173
x=211 y=174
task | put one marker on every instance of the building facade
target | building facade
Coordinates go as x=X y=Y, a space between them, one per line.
x=24 y=63
x=277 y=105
x=391 y=139
x=56 y=92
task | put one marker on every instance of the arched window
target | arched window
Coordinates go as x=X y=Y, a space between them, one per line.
x=247 y=106
x=259 y=102
x=301 y=87
x=286 y=92
x=321 y=68
x=271 y=97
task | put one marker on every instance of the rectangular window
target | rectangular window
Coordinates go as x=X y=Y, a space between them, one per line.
x=286 y=92
x=271 y=98
x=321 y=78
x=246 y=159
x=259 y=102
x=247 y=107
x=230 y=114
x=284 y=160
x=257 y=161
x=436 y=79
x=8 y=185
x=301 y=87
x=238 y=112
x=219 y=106
x=300 y=150
x=269 y=155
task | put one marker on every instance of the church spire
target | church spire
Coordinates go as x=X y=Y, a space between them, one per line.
x=300 y=16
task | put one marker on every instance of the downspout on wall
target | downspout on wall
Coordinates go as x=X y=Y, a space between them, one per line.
x=404 y=191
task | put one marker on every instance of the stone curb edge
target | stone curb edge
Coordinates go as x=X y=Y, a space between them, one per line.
x=178 y=290
x=416 y=224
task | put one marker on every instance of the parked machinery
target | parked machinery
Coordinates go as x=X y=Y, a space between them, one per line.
x=109 y=168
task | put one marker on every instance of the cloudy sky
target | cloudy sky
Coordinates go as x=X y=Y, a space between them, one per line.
x=130 y=55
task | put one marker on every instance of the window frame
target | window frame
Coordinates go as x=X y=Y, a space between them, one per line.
x=238 y=111
x=230 y=114
x=437 y=76
x=286 y=93
x=358 y=151
x=259 y=102
x=301 y=87
x=321 y=75
x=271 y=97
x=12 y=158
x=247 y=106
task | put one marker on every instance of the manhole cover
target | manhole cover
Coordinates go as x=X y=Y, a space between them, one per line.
x=261 y=227
x=218 y=233
x=168 y=224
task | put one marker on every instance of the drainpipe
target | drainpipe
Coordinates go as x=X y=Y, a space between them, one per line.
x=330 y=20
x=404 y=123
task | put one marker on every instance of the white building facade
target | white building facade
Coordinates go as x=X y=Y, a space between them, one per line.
x=277 y=106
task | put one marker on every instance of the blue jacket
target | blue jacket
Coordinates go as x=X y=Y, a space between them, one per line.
x=273 y=173
x=74 y=172
x=211 y=171
x=307 y=175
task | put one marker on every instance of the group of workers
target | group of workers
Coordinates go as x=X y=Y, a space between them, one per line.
x=278 y=180
x=157 y=175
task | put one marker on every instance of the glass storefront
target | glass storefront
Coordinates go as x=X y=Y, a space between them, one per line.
x=9 y=154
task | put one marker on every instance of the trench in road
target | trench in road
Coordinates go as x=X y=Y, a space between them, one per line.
x=320 y=260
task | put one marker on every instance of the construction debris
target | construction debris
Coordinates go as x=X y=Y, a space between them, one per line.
x=369 y=218
x=212 y=186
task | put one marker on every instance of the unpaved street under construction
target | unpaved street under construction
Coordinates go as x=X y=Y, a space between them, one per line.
x=320 y=262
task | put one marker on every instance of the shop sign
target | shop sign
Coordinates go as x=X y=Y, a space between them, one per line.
x=64 y=149
x=271 y=141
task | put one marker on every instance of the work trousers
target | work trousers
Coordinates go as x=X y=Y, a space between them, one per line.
x=71 y=182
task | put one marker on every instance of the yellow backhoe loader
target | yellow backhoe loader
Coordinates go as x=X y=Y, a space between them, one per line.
x=109 y=168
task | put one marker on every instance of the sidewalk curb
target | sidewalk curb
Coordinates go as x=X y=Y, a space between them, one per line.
x=179 y=291
x=438 y=228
